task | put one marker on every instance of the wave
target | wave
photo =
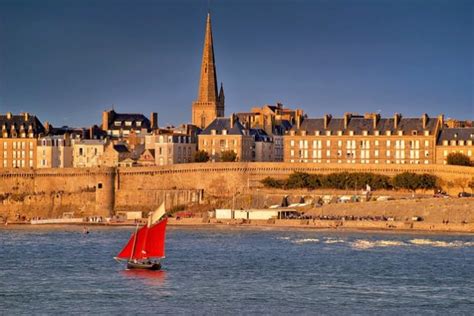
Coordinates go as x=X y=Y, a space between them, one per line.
x=367 y=244
x=305 y=240
x=283 y=238
x=441 y=243
x=333 y=241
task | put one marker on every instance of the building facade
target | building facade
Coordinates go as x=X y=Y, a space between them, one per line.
x=364 y=139
x=18 y=140
x=174 y=149
x=226 y=134
x=54 y=152
x=209 y=103
x=455 y=140
x=87 y=152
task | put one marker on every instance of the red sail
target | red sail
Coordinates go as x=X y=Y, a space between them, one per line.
x=155 y=240
x=138 y=252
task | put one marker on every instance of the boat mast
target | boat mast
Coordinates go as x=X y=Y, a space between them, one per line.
x=134 y=243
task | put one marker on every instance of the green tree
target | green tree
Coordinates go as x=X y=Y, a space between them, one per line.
x=201 y=156
x=228 y=156
x=298 y=180
x=270 y=182
x=407 y=180
x=458 y=159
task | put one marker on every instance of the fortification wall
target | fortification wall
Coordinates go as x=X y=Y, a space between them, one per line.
x=100 y=191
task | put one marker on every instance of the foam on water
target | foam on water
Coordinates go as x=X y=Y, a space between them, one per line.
x=441 y=243
x=367 y=244
x=305 y=240
x=333 y=241
x=283 y=238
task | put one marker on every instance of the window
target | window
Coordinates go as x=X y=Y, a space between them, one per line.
x=128 y=123
x=117 y=123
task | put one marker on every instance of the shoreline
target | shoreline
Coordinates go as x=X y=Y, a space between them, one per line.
x=294 y=225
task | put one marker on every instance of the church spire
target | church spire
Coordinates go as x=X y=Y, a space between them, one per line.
x=208 y=80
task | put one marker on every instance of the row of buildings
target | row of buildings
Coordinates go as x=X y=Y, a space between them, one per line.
x=271 y=133
x=267 y=134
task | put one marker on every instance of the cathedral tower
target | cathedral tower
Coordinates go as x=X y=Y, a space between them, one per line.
x=209 y=104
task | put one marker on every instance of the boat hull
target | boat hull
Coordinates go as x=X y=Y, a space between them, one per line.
x=143 y=265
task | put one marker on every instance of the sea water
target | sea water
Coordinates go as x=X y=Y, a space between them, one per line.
x=237 y=271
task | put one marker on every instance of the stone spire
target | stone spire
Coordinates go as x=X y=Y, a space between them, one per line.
x=209 y=104
x=208 y=81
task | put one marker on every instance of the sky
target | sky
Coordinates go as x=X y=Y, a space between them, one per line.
x=66 y=61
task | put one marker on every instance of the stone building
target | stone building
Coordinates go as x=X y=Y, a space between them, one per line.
x=54 y=151
x=455 y=140
x=86 y=152
x=121 y=125
x=209 y=103
x=262 y=146
x=18 y=140
x=174 y=148
x=226 y=134
x=364 y=139
x=116 y=155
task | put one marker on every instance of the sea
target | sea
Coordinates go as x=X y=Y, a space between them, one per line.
x=237 y=271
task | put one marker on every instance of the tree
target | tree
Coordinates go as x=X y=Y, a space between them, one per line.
x=458 y=159
x=201 y=156
x=407 y=180
x=228 y=156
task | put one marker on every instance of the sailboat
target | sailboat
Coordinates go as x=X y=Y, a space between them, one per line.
x=146 y=246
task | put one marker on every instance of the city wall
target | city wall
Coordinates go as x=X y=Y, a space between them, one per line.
x=103 y=191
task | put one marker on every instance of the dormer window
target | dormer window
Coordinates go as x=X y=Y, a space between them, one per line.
x=455 y=135
x=316 y=133
x=388 y=133
x=427 y=133
x=400 y=133
x=128 y=123
x=414 y=133
x=328 y=133
x=339 y=133
x=117 y=123
x=138 y=123
x=303 y=133
x=365 y=133
x=213 y=132
x=376 y=133
x=224 y=132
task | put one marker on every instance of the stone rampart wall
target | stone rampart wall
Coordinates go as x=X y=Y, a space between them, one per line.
x=144 y=188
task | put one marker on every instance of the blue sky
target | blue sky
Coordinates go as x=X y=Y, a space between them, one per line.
x=67 y=60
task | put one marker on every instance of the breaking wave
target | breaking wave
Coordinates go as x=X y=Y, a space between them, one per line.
x=283 y=238
x=367 y=244
x=333 y=241
x=305 y=240
x=441 y=243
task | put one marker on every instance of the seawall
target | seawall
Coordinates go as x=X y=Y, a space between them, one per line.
x=103 y=191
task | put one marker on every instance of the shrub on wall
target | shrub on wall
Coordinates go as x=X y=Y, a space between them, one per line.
x=201 y=156
x=356 y=181
x=458 y=159
x=228 y=156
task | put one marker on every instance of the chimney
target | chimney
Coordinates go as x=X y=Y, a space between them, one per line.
x=27 y=116
x=327 y=118
x=375 y=120
x=47 y=127
x=9 y=115
x=106 y=117
x=396 y=120
x=347 y=117
x=232 y=120
x=441 y=120
x=424 y=119
x=154 y=120
x=298 y=121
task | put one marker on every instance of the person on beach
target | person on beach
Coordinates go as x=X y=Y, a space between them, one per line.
x=85 y=231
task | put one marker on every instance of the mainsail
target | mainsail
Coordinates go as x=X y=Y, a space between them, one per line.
x=149 y=240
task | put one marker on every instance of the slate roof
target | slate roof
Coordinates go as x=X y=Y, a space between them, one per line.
x=132 y=117
x=221 y=123
x=358 y=124
x=121 y=148
x=462 y=133
x=259 y=135
x=16 y=122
